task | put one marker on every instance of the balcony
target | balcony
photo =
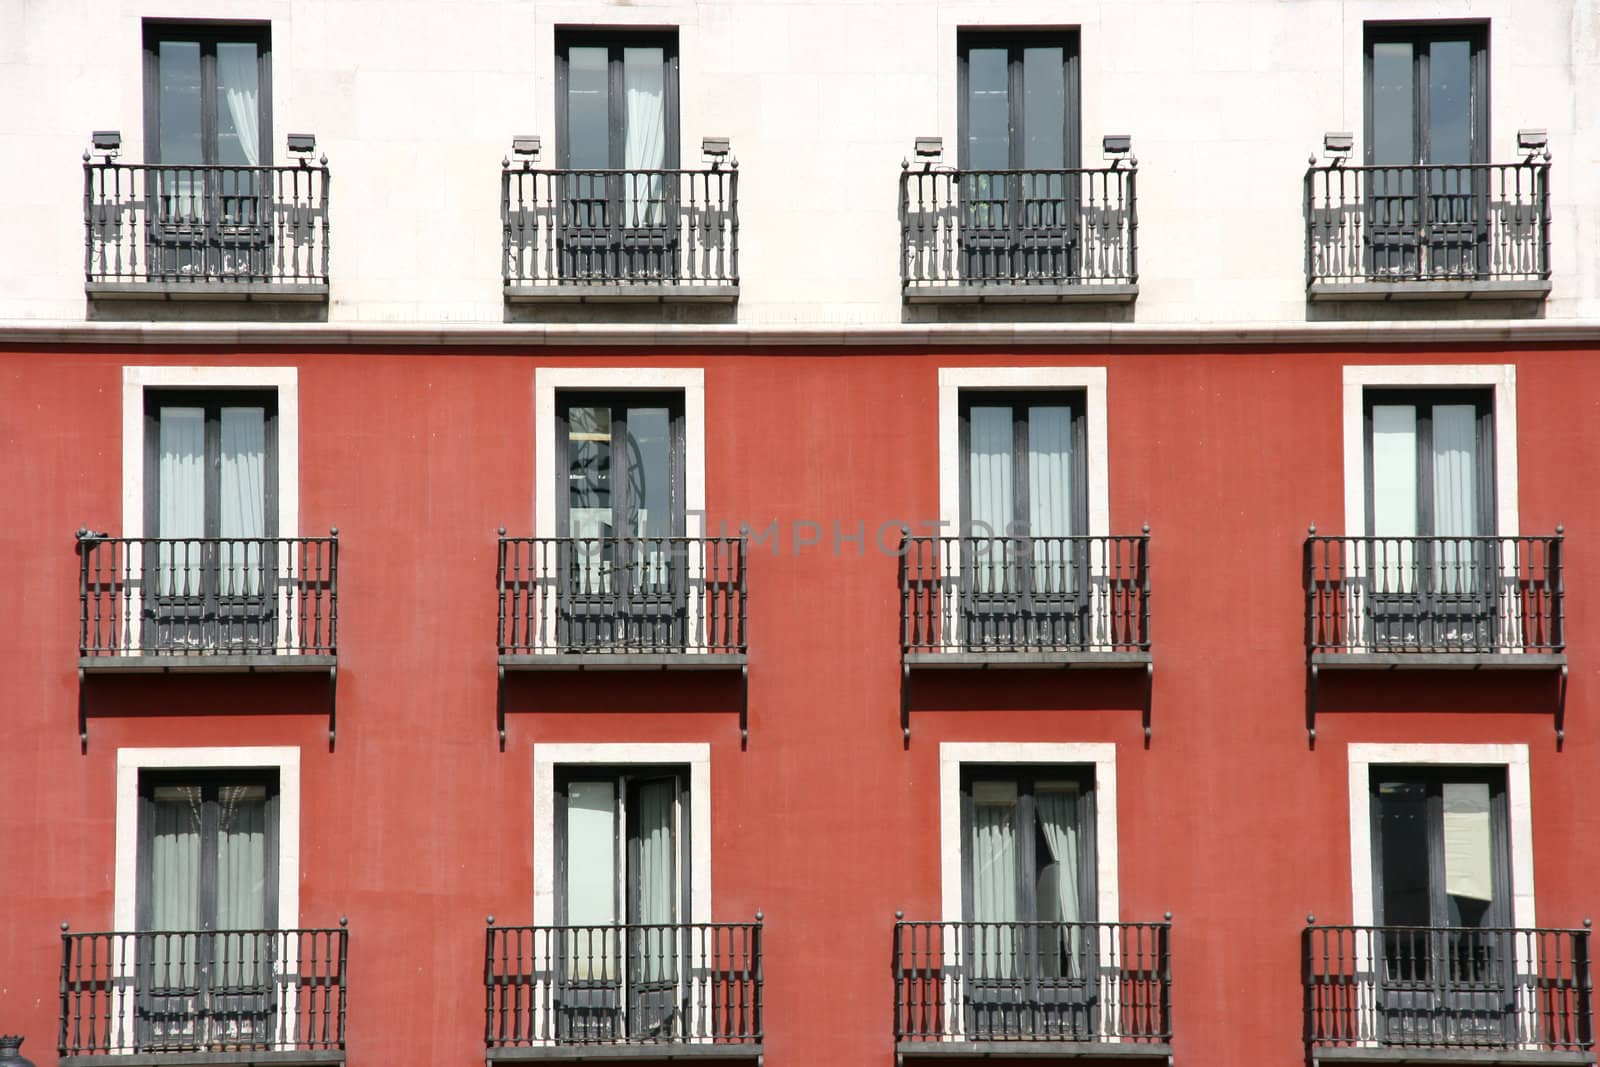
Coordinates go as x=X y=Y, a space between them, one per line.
x=1055 y=990
x=1435 y=602
x=1012 y=236
x=1401 y=994
x=207 y=603
x=203 y=997
x=1025 y=601
x=623 y=992
x=197 y=232
x=1479 y=231
x=620 y=235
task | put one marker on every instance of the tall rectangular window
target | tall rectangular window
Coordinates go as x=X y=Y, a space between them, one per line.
x=622 y=854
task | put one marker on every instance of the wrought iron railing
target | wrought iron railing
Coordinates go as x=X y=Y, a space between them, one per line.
x=203 y=226
x=1025 y=594
x=1018 y=228
x=208 y=596
x=566 y=229
x=1428 y=222
x=616 y=595
x=1448 y=987
x=1032 y=981
x=1470 y=595
x=634 y=984
x=229 y=993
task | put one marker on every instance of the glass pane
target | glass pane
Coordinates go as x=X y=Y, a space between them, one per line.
x=181 y=507
x=1403 y=856
x=238 y=105
x=988 y=110
x=242 y=857
x=649 y=472
x=591 y=889
x=1455 y=495
x=242 y=496
x=1450 y=102
x=1050 y=471
x=1394 y=494
x=179 y=101
x=657 y=879
x=1393 y=103
x=588 y=109
x=589 y=472
x=1468 y=858
x=990 y=505
x=174 y=882
x=994 y=878
x=1044 y=108
x=1057 y=860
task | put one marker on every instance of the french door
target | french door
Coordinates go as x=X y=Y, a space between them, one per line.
x=1442 y=889
x=1433 y=566
x=206 y=950
x=1025 y=564
x=207 y=129
x=623 y=851
x=617 y=134
x=1028 y=873
x=1018 y=115
x=211 y=499
x=623 y=565
x=1427 y=126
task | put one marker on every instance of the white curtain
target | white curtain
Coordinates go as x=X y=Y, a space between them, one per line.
x=994 y=878
x=242 y=883
x=1468 y=867
x=1394 y=495
x=989 y=492
x=1056 y=807
x=644 y=80
x=243 y=499
x=591 y=877
x=1050 y=490
x=238 y=87
x=181 y=510
x=1455 y=493
x=657 y=879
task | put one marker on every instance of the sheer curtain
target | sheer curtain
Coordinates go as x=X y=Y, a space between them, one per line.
x=181 y=510
x=242 y=884
x=242 y=503
x=174 y=882
x=994 y=878
x=1455 y=494
x=1058 y=881
x=657 y=880
x=238 y=91
x=591 y=889
x=644 y=81
x=1050 y=492
x=1394 y=495
x=989 y=494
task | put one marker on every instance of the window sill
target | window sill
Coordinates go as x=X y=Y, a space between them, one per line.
x=202 y=290
x=1020 y=293
x=1528 y=289
x=601 y=292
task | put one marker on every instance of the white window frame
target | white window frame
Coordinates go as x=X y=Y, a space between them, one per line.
x=1500 y=377
x=1519 y=826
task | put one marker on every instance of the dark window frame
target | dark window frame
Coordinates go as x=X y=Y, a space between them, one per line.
x=212 y=400
x=1020 y=401
x=1423 y=400
x=1420 y=35
x=619 y=402
x=210 y=781
x=625 y=779
x=208 y=34
x=1027 y=776
x=1014 y=41
x=614 y=41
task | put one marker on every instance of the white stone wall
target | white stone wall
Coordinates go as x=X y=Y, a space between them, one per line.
x=415 y=102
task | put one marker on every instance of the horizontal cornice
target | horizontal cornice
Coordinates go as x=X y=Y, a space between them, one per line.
x=1001 y=335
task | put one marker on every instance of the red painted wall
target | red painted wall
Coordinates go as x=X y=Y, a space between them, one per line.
x=417 y=825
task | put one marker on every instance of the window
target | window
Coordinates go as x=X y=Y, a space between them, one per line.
x=1441 y=860
x=617 y=136
x=1028 y=872
x=1024 y=506
x=622 y=510
x=207 y=908
x=1427 y=121
x=1018 y=117
x=208 y=122
x=1430 y=503
x=211 y=485
x=622 y=854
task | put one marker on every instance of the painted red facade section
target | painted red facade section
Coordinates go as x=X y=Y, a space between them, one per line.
x=416 y=825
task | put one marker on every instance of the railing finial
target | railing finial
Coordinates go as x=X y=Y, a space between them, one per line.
x=334 y=530
x=1561 y=529
x=1147 y=528
x=64 y=925
x=1311 y=530
x=491 y=920
x=760 y=915
x=1311 y=920
x=1587 y=922
x=1167 y=916
x=344 y=920
x=899 y=916
x=502 y=531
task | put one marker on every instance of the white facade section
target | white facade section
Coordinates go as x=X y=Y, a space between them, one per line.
x=415 y=105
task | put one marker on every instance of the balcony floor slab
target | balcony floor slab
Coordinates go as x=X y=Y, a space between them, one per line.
x=1532 y=289
x=308 y=1058
x=1002 y=293
x=1025 y=660
x=1439 y=661
x=620 y=1053
x=207 y=290
x=170 y=663
x=1477 y=1057
x=620 y=293
x=1016 y=1050
x=626 y=661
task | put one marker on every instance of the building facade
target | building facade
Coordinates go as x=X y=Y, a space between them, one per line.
x=818 y=533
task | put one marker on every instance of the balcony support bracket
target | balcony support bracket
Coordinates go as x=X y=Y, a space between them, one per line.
x=1313 y=676
x=333 y=705
x=1561 y=709
x=744 y=706
x=83 y=715
x=500 y=707
x=905 y=706
x=1149 y=697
